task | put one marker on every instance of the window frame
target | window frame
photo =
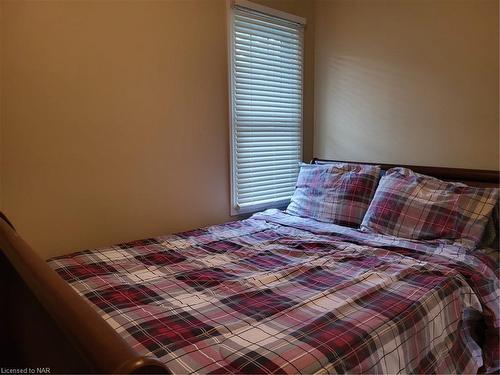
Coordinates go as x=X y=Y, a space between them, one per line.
x=267 y=11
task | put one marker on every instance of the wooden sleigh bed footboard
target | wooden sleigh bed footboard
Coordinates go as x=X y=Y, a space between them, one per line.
x=45 y=326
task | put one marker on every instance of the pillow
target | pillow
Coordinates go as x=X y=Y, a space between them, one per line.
x=325 y=162
x=490 y=235
x=334 y=193
x=415 y=206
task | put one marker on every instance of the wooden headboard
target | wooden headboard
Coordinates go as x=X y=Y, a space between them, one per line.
x=472 y=177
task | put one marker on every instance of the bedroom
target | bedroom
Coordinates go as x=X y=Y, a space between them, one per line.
x=114 y=116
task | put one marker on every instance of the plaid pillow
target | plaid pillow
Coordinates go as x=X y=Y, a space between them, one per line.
x=335 y=193
x=490 y=234
x=411 y=205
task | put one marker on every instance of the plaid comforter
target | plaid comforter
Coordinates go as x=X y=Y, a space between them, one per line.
x=281 y=294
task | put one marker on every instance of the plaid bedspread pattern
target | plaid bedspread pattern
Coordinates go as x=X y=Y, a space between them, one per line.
x=275 y=294
x=337 y=193
x=411 y=205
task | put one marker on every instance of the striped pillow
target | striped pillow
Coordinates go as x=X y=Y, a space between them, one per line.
x=334 y=193
x=411 y=205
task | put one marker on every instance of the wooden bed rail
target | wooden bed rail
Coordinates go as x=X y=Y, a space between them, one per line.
x=89 y=344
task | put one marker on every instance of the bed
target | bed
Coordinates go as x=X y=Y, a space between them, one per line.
x=274 y=293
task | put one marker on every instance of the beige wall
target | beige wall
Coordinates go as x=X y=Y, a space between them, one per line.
x=114 y=115
x=115 y=118
x=407 y=81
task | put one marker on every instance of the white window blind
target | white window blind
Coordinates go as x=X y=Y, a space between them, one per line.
x=266 y=103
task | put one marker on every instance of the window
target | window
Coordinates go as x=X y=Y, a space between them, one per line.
x=266 y=64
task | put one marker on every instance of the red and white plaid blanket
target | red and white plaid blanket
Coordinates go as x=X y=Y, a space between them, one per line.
x=281 y=294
